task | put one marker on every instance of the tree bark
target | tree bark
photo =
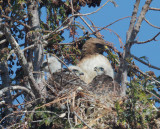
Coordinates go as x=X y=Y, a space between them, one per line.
x=34 y=22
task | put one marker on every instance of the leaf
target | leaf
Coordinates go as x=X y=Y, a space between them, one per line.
x=144 y=58
x=48 y=121
x=149 y=87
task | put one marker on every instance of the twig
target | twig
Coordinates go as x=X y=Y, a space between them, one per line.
x=151 y=24
x=87 y=24
x=149 y=65
x=72 y=7
x=82 y=120
x=9 y=18
x=156 y=9
x=152 y=94
x=3 y=41
x=58 y=28
x=93 y=11
x=98 y=35
x=69 y=113
x=154 y=38
x=144 y=74
x=109 y=24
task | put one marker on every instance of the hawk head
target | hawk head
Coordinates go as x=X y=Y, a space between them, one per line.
x=99 y=70
x=92 y=46
x=76 y=70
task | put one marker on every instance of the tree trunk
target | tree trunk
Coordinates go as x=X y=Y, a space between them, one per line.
x=33 y=19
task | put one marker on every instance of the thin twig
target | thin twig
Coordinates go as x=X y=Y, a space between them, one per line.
x=69 y=113
x=9 y=18
x=74 y=15
x=156 y=9
x=82 y=120
x=149 y=65
x=154 y=38
x=151 y=24
x=87 y=24
x=93 y=11
x=3 y=41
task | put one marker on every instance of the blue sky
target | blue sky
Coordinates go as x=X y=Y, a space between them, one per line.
x=109 y=14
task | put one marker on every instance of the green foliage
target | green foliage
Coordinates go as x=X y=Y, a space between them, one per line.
x=47 y=118
x=138 y=108
x=144 y=58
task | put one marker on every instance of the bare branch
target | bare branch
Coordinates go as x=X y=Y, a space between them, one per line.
x=74 y=15
x=12 y=19
x=149 y=65
x=93 y=11
x=16 y=88
x=87 y=24
x=141 y=16
x=133 y=20
x=151 y=24
x=3 y=41
x=144 y=74
x=156 y=9
x=154 y=38
x=82 y=120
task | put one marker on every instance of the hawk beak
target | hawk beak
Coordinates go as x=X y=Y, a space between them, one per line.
x=106 y=47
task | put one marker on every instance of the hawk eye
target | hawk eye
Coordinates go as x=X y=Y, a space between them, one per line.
x=99 y=45
x=102 y=69
x=44 y=64
x=75 y=70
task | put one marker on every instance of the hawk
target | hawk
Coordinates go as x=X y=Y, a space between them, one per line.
x=51 y=65
x=62 y=79
x=103 y=84
x=92 y=56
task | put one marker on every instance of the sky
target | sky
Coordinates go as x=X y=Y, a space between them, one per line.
x=109 y=14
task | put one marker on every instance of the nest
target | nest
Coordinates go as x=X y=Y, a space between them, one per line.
x=82 y=105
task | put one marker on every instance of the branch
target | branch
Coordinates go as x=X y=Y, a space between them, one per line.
x=3 y=41
x=151 y=24
x=142 y=16
x=12 y=19
x=154 y=38
x=133 y=20
x=149 y=65
x=22 y=60
x=93 y=11
x=74 y=15
x=156 y=9
x=16 y=88
x=144 y=74
x=82 y=120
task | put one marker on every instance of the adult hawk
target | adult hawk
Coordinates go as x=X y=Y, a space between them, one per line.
x=92 y=57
